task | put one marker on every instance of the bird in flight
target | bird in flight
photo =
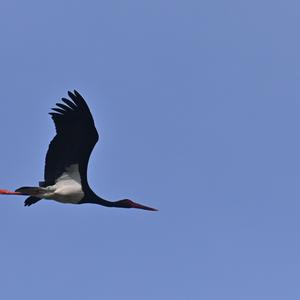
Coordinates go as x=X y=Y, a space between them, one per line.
x=65 y=174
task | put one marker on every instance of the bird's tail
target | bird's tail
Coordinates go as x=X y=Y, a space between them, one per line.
x=30 y=190
x=31 y=200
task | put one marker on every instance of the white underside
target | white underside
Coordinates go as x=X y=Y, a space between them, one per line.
x=67 y=188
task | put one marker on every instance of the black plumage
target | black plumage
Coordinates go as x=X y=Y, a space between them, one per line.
x=66 y=163
x=76 y=136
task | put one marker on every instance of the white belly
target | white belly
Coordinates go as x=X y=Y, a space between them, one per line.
x=68 y=191
x=67 y=188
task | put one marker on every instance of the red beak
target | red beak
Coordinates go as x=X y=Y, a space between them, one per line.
x=140 y=206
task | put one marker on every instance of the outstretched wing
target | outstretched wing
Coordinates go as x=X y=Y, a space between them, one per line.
x=75 y=138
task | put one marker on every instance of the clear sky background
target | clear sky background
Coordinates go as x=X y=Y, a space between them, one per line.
x=197 y=104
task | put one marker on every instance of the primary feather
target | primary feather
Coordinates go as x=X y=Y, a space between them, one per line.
x=76 y=136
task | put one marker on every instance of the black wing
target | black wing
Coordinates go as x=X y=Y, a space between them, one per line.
x=75 y=138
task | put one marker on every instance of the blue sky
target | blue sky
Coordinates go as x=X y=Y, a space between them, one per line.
x=197 y=104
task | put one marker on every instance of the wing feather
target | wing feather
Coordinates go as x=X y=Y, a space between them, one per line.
x=69 y=102
x=75 y=138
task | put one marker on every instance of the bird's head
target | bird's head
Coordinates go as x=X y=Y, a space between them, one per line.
x=127 y=203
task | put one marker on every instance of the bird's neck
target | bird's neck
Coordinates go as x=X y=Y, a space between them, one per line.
x=98 y=200
x=91 y=197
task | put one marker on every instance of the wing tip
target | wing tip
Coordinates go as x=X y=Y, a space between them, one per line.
x=77 y=93
x=70 y=94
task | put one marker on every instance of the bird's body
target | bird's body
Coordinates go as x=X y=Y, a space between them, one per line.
x=65 y=175
x=67 y=188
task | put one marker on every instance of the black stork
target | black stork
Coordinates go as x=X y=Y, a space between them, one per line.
x=67 y=159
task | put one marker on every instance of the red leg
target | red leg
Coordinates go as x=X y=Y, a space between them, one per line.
x=6 y=192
